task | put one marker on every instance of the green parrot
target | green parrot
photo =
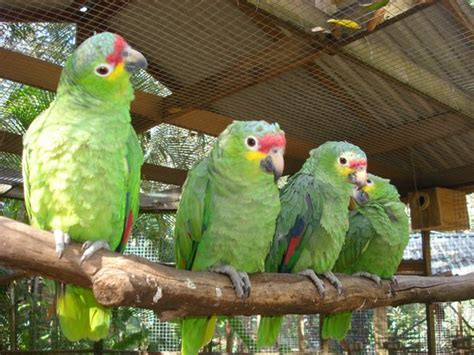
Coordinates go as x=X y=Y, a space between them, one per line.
x=226 y=217
x=313 y=220
x=81 y=168
x=378 y=234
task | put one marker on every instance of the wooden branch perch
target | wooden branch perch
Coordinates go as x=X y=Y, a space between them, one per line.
x=133 y=281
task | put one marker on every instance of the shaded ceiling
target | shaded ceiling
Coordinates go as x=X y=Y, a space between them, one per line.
x=403 y=91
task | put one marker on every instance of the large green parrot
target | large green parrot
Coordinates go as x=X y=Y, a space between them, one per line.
x=81 y=167
x=314 y=220
x=226 y=217
x=374 y=245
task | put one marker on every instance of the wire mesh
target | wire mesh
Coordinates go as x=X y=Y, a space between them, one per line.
x=409 y=80
x=403 y=93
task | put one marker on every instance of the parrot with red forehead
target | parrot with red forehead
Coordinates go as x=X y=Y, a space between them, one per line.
x=226 y=217
x=313 y=221
x=81 y=168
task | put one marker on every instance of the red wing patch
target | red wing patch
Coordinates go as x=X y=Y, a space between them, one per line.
x=291 y=248
x=126 y=232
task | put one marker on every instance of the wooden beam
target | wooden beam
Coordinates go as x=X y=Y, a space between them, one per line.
x=118 y=280
x=411 y=267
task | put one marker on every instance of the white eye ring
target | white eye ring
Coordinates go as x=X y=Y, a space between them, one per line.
x=342 y=160
x=103 y=69
x=251 y=142
x=370 y=182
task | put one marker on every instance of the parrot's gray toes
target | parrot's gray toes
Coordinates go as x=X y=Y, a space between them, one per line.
x=235 y=278
x=90 y=247
x=334 y=281
x=315 y=280
x=246 y=285
x=369 y=276
x=61 y=240
x=393 y=284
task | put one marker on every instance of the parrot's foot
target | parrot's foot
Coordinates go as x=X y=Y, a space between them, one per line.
x=393 y=284
x=369 y=276
x=315 y=280
x=91 y=246
x=240 y=280
x=62 y=240
x=334 y=281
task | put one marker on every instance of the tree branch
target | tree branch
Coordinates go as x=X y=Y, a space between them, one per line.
x=133 y=281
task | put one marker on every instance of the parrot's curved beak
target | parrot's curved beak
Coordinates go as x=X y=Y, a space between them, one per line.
x=274 y=163
x=359 y=174
x=359 y=195
x=133 y=60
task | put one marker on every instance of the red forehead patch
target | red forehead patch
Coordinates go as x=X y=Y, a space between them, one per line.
x=270 y=141
x=116 y=56
x=358 y=163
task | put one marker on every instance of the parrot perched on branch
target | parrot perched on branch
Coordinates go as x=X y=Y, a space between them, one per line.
x=226 y=217
x=81 y=168
x=378 y=234
x=313 y=221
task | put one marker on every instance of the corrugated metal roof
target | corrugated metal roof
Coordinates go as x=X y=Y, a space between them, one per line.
x=450 y=252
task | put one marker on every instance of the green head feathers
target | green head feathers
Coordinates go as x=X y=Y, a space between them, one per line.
x=253 y=146
x=378 y=188
x=100 y=67
x=337 y=160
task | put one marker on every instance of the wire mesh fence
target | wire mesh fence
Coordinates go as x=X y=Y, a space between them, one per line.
x=408 y=80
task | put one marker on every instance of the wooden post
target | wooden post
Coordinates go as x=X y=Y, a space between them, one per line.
x=380 y=329
x=431 y=336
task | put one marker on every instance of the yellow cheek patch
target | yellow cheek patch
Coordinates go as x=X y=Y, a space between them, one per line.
x=254 y=155
x=368 y=188
x=117 y=72
x=344 y=170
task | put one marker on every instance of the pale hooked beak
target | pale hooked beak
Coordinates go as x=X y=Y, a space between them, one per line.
x=359 y=176
x=133 y=60
x=274 y=163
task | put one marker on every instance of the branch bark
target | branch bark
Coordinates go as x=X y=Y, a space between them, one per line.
x=133 y=281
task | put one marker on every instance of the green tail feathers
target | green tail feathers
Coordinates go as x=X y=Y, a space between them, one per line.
x=336 y=325
x=80 y=316
x=268 y=330
x=195 y=333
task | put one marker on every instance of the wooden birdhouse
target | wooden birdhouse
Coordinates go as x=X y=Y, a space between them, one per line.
x=438 y=209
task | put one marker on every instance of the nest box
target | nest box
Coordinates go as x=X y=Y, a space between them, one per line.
x=438 y=209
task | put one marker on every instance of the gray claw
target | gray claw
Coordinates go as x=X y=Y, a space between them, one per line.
x=315 y=280
x=90 y=247
x=334 y=281
x=61 y=240
x=240 y=280
x=369 y=276
x=246 y=285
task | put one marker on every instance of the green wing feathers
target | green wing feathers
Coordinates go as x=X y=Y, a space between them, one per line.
x=191 y=222
x=134 y=161
x=336 y=325
x=192 y=218
x=80 y=316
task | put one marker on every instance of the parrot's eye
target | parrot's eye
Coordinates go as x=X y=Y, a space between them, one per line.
x=251 y=143
x=369 y=182
x=103 y=69
x=343 y=161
